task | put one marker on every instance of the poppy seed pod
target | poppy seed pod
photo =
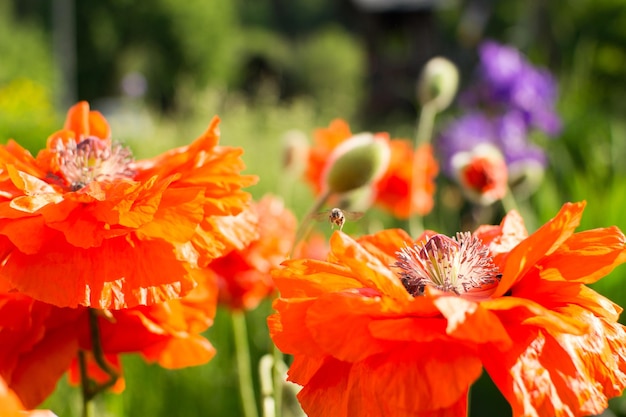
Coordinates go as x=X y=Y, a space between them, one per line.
x=438 y=83
x=356 y=162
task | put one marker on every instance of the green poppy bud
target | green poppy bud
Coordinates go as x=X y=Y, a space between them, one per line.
x=438 y=83
x=356 y=162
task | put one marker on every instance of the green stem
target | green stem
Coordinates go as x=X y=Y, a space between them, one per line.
x=508 y=201
x=98 y=353
x=89 y=387
x=303 y=228
x=266 y=372
x=425 y=124
x=85 y=383
x=242 y=348
x=277 y=378
x=423 y=135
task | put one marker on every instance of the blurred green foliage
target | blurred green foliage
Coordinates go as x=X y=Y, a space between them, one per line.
x=269 y=66
x=27 y=75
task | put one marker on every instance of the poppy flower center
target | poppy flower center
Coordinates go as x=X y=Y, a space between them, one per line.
x=92 y=159
x=459 y=265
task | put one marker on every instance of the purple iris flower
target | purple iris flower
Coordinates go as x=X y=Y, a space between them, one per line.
x=508 y=133
x=508 y=82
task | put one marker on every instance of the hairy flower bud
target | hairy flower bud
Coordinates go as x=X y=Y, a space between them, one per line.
x=438 y=83
x=356 y=162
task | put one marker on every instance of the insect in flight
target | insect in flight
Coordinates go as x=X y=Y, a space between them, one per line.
x=338 y=217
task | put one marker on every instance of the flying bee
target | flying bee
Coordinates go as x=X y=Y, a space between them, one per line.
x=338 y=217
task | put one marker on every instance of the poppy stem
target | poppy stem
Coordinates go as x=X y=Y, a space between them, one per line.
x=98 y=353
x=423 y=135
x=303 y=227
x=90 y=388
x=277 y=378
x=508 y=201
x=242 y=348
x=266 y=370
x=85 y=383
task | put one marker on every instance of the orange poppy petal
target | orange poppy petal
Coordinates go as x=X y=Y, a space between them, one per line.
x=385 y=244
x=556 y=295
x=410 y=380
x=78 y=119
x=562 y=375
x=325 y=140
x=287 y=330
x=528 y=312
x=13 y=154
x=177 y=353
x=98 y=126
x=105 y=276
x=168 y=333
x=302 y=368
x=9 y=402
x=326 y=392
x=502 y=238
x=11 y=405
x=35 y=354
x=244 y=275
x=468 y=321
x=84 y=122
x=586 y=256
x=367 y=268
x=221 y=234
x=309 y=278
x=398 y=191
x=96 y=373
x=340 y=324
x=541 y=243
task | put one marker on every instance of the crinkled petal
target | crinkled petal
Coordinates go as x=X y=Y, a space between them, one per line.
x=366 y=268
x=538 y=245
x=409 y=379
x=561 y=374
x=586 y=256
x=34 y=356
x=120 y=273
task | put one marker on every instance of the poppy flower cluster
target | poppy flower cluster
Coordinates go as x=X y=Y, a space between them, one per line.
x=391 y=190
x=92 y=239
x=393 y=326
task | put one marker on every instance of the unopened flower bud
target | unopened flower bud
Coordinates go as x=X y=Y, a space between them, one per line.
x=356 y=162
x=438 y=83
x=482 y=174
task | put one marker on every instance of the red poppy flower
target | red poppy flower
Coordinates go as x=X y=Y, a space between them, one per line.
x=84 y=224
x=244 y=278
x=482 y=174
x=410 y=339
x=325 y=141
x=392 y=189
